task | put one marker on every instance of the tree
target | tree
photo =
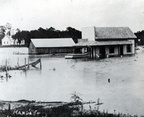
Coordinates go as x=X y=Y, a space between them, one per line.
x=76 y=98
x=47 y=33
x=73 y=33
x=140 y=35
x=8 y=26
x=2 y=32
x=51 y=29
x=22 y=35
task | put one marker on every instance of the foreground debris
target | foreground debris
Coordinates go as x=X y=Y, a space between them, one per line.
x=25 y=108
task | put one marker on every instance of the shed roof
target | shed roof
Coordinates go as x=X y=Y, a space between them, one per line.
x=53 y=42
x=103 y=43
x=114 y=33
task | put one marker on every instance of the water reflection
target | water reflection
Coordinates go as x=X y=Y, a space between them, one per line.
x=59 y=77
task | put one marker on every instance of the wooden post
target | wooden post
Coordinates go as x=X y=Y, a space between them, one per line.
x=95 y=52
x=6 y=71
x=25 y=63
x=9 y=108
x=107 y=111
x=18 y=61
x=98 y=104
x=28 y=62
x=92 y=52
x=6 y=65
x=40 y=64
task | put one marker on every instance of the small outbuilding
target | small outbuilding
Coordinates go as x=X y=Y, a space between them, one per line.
x=7 y=40
x=51 y=45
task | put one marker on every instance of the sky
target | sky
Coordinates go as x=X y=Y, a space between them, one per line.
x=32 y=14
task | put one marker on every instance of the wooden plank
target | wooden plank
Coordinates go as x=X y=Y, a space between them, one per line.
x=32 y=64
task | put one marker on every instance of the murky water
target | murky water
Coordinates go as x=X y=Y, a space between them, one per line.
x=60 y=77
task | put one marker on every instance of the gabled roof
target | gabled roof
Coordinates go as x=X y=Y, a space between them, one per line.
x=6 y=38
x=102 y=43
x=53 y=42
x=114 y=33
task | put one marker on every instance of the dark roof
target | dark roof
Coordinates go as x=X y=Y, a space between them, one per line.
x=53 y=42
x=114 y=33
x=101 y=43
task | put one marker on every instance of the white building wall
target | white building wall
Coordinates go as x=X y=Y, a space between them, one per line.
x=88 y=33
x=112 y=54
x=116 y=50
x=125 y=49
x=133 y=46
x=6 y=41
x=107 y=50
x=32 y=49
x=97 y=51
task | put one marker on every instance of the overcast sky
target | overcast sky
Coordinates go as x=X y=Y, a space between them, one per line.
x=32 y=14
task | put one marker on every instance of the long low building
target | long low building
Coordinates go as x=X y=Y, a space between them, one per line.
x=107 y=41
x=51 y=45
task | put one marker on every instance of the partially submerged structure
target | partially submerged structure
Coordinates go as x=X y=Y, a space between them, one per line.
x=51 y=45
x=107 y=41
x=96 y=41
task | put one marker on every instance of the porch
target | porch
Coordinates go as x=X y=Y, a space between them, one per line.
x=106 y=49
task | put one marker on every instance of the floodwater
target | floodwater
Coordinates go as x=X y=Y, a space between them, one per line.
x=60 y=77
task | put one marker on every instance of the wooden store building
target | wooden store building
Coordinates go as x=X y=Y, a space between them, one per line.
x=51 y=45
x=107 y=41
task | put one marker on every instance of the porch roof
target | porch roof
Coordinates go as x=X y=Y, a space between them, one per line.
x=102 y=43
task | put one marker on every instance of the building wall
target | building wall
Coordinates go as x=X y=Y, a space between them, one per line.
x=107 y=50
x=125 y=49
x=34 y=50
x=95 y=53
x=97 y=50
x=117 y=49
x=133 y=46
x=88 y=33
x=132 y=50
x=6 y=41
x=112 y=54
x=54 y=50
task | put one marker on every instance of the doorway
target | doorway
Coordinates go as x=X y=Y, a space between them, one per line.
x=121 y=50
x=102 y=52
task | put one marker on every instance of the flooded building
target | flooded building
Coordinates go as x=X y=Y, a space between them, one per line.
x=51 y=45
x=107 y=41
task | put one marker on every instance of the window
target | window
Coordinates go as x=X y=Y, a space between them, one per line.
x=128 y=48
x=111 y=49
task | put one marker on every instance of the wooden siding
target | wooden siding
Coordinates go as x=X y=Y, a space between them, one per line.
x=49 y=50
x=53 y=50
x=96 y=51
